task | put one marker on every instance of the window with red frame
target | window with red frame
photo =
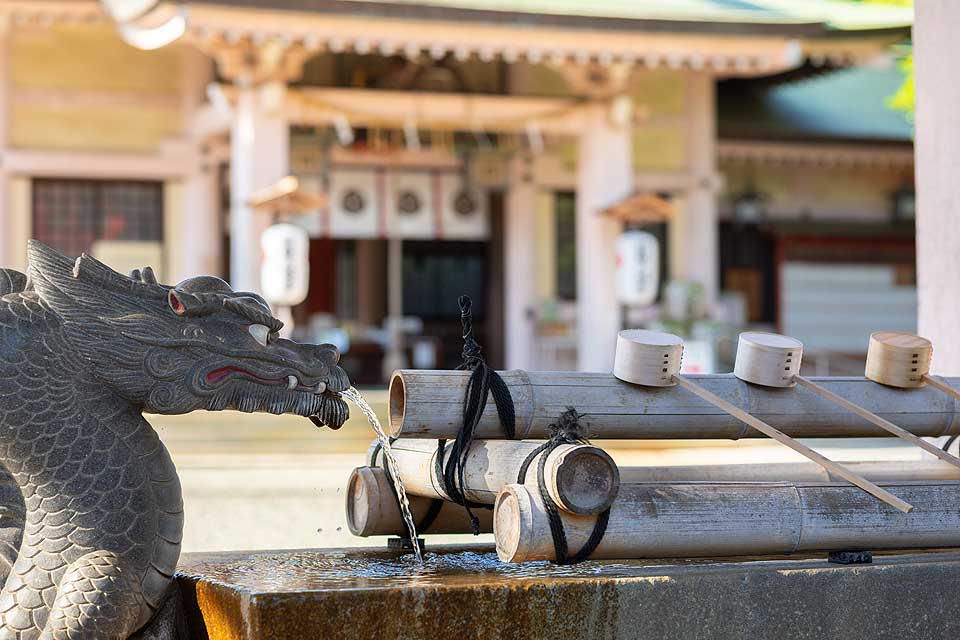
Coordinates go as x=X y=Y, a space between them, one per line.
x=70 y=215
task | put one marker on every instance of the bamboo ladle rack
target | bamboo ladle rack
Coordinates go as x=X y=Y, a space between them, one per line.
x=774 y=360
x=645 y=357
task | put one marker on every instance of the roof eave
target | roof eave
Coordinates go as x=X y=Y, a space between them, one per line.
x=394 y=10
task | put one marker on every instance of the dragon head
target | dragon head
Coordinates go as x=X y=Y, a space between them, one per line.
x=197 y=345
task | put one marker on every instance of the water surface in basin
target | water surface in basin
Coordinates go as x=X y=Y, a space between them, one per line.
x=334 y=569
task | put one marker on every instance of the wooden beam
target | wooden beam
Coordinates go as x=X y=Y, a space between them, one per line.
x=173 y=161
x=438 y=111
x=819 y=155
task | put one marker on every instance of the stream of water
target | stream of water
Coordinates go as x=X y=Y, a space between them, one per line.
x=354 y=396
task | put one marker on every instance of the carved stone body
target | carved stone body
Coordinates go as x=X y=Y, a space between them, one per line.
x=83 y=351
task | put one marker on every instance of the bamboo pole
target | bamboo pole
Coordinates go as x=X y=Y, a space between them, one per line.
x=688 y=519
x=876 y=471
x=580 y=478
x=869 y=416
x=429 y=404
x=802 y=449
x=372 y=509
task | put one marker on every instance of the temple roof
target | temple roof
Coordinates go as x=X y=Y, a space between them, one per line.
x=728 y=38
x=787 y=17
x=809 y=109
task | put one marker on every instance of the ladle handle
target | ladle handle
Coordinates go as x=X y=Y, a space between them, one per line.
x=884 y=424
x=936 y=384
x=761 y=426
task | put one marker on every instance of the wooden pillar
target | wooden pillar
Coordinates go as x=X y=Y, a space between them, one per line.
x=520 y=259
x=694 y=251
x=604 y=176
x=6 y=241
x=259 y=156
x=935 y=46
x=394 y=358
x=18 y=227
x=193 y=242
x=194 y=237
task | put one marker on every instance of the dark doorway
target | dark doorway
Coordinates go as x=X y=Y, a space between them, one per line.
x=747 y=257
x=435 y=274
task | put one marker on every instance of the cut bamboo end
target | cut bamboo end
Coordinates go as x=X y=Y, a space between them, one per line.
x=898 y=359
x=513 y=523
x=363 y=500
x=649 y=358
x=581 y=479
x=396 y=404
x=372 y=509
x=768 y=359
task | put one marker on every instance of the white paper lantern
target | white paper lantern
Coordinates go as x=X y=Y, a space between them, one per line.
x=285 y=270
x=638 y=268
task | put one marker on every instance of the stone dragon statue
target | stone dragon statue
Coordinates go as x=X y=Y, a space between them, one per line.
x=90 y=538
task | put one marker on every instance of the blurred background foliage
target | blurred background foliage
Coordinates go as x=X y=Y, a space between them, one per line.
x=903 y=99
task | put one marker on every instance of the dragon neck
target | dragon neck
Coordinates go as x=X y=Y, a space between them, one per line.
x=58 y=407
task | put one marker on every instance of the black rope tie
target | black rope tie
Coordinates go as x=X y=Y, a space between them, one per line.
x=483 y=383
x=567 y=430
x=946 y=446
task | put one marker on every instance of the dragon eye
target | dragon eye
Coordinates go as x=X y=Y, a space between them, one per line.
x=260 y=333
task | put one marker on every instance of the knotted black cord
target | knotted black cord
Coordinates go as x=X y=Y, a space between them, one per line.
x=567 y=430
x=482 y=383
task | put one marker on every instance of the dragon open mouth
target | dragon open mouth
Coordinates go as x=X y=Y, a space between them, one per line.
x=326 y=408
x=291 y=382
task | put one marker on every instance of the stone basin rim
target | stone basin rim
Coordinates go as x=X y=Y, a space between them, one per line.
x=606 y=570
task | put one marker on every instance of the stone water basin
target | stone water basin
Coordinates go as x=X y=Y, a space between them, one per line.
x=465 y=592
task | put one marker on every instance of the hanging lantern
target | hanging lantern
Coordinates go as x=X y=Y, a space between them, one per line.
x=147 y=24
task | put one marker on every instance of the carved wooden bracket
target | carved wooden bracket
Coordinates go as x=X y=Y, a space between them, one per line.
x=249 y=62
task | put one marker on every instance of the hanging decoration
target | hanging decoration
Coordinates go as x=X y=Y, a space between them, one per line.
x=534 y=137
x=343 y=130
x=411 y=135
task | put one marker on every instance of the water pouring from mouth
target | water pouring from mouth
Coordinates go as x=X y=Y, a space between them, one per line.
x=354 y=396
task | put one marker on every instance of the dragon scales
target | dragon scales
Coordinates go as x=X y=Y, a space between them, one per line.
x=90 y=548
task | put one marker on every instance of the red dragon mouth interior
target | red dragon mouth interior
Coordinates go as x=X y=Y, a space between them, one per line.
x=219 y=375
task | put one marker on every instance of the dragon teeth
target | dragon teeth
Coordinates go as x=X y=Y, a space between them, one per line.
x=321 y=387
x=292 y=382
